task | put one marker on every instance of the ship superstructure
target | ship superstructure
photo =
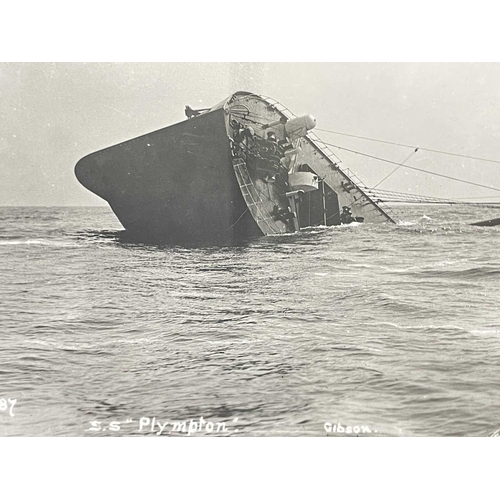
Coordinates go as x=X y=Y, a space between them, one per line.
x=246 y=167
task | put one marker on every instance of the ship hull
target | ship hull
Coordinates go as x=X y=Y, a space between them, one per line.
x=175 y=185
x=245 y=168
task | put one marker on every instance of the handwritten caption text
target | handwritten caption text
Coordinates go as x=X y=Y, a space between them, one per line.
x=7 y=405
x=156 y=426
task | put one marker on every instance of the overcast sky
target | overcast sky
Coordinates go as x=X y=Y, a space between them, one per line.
x=52 y=114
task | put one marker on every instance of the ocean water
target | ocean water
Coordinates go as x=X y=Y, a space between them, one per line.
x=369 y=330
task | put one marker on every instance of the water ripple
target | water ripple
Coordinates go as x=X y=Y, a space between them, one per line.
x=394 y=327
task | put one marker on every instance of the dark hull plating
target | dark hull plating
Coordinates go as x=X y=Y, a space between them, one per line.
x=175 y=185
x=245 y=168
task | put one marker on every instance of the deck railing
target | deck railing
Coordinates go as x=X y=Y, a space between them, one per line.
x=328 y=153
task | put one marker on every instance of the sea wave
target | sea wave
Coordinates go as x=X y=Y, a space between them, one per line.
x=42 y=242
x=389 y=326
x=470 y=273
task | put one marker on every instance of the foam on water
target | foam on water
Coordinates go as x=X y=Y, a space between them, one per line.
x=46 y=242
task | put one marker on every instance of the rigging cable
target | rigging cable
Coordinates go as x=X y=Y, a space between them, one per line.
x=398 y=197
x=408 y=146
x=397 y=168
x=238 y=220
x=414 y=168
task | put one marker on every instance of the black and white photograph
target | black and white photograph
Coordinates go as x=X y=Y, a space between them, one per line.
x=286 y=252
x=186 y=255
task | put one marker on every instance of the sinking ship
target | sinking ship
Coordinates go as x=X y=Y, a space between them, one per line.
x=244 y=168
